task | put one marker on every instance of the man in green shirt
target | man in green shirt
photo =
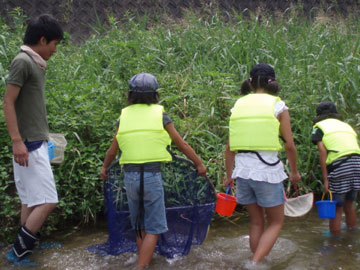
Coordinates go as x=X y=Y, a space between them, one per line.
x=25 y=115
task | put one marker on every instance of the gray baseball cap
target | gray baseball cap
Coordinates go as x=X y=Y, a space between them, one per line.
x=143 y=82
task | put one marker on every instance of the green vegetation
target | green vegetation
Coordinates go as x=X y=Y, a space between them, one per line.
x=200 y=63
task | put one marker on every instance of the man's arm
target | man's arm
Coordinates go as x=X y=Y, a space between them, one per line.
x=19 y=149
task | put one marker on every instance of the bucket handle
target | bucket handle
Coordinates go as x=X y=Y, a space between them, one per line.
x=323 y=195
x=228 y=191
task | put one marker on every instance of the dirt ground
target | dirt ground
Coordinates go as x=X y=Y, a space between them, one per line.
x=77 y=16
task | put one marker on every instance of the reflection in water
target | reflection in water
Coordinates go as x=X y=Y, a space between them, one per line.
x=301 y=245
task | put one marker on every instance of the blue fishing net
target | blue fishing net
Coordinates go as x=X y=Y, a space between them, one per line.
x=190 y=202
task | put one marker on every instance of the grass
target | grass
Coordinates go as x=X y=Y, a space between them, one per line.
x=200 y=63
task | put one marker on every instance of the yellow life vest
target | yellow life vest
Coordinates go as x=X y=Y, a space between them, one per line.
x=141 y=135
x=339 y=139
x=253 y=125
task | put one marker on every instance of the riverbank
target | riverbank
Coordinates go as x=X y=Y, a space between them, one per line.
x=302 y=245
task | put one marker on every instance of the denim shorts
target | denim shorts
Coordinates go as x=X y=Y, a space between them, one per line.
x=340 y=198
x=154 y=205
x=264 y=194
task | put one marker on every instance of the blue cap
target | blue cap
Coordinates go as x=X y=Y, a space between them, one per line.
x=143 y=82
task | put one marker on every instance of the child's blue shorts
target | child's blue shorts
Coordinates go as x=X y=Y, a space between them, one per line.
x=340 y=198
x=264 y=194
x=154 y=205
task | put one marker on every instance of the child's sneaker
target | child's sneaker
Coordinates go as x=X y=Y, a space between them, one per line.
x=11 y=257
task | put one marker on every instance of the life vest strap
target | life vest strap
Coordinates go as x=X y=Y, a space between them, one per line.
x=141 y=213
x=259 y=157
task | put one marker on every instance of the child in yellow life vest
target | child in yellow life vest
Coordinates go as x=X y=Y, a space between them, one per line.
x=257 y=121
x=143 y=135
x=339 y=160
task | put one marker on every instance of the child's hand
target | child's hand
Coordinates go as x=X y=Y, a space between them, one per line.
x=295 y=177
x=201 y=169
x=103 y=173
x=229 y=181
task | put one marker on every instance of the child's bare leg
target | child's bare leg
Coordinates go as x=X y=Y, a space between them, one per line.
x=275 y=219
x=139 y=240
x=350 y=214
x=147 y=249
x=257 y=221
x=335 y=223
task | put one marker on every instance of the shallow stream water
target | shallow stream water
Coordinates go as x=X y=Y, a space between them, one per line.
x=301 y=245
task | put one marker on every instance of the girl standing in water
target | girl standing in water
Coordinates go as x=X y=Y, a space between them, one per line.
x=143 y=135
x=257 y=121
x=339 y=160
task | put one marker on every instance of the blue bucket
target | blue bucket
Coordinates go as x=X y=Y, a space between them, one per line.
x=51 y=147
x=326 y=208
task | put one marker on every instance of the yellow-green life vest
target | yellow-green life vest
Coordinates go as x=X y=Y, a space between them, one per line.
x=339 y=139
x=253 y=125
x=141 y=135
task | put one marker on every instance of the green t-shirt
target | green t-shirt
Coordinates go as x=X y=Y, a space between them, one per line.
x=30 y=105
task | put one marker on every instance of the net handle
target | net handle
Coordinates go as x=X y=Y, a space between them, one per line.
x=193 y=165
x=113 y=164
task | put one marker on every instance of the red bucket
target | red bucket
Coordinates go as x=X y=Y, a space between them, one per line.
x=225 y=204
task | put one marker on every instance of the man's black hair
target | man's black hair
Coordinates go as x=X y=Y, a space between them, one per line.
x=43 y=26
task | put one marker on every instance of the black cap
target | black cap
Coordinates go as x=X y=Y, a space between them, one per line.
x=143 y=82
x=326 y=107
x=262 y=70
